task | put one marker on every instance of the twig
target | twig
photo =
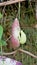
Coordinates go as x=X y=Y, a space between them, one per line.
x=9 y=53
x=9 y=38
x=24 y=51
x=21 y=50
x=10 y=2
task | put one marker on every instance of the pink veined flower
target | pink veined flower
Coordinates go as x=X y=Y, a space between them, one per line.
x=15 y=34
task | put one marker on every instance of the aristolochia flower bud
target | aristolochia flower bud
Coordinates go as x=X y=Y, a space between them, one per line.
x=15 y=34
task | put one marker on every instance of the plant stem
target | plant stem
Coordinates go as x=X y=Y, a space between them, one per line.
x=22 y=54
x=1 y=49
x=19 y=12
x=10 y=2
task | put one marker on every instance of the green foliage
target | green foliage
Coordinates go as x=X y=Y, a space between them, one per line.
x=3 y=43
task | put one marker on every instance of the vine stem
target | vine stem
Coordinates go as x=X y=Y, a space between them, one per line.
x=21 y=51
x=9 y=38
x=10 y=2
x=2 y=53
x=1 y=49
x=22 y=54
x=29 y=53
x=19 y=20
x=19 y=12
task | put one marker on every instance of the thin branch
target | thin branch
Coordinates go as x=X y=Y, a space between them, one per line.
x=21 y=50
x=10 y=2
x=9 y=38
x=9 y=53
x=24 y=51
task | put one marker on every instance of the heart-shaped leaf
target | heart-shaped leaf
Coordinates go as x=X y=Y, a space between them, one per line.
x=1 y=31
x=3 y=42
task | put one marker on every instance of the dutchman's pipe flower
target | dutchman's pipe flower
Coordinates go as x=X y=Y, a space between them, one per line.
x=18 y=36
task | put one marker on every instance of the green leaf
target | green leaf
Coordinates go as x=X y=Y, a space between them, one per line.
x=1 y=15
x=1 y=31
x=3 y=43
